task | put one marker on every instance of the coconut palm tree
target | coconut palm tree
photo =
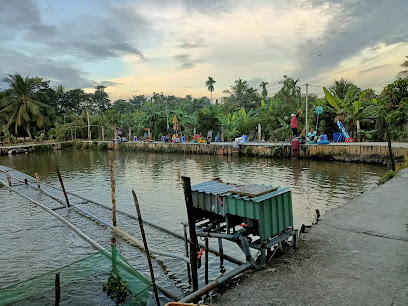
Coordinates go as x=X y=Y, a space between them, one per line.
x=341 y=87
x=404 y=73
x=210 y=85
x=62 y=98
x=264 y=91
x=21 y=107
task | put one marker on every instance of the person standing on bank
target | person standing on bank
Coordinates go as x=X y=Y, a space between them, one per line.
x=294 y=123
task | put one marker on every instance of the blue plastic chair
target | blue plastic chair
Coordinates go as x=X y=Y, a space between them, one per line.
x=163 y=138
x=245 y=137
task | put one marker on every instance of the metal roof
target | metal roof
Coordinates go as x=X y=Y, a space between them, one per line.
x=213 y=187
x=217 y=188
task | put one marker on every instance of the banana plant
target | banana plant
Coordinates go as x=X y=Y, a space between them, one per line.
x=229 y=124
x=354 y=111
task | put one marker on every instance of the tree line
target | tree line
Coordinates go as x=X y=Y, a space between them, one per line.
x=31 y=107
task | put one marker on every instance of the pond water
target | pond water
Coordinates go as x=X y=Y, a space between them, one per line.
x=36 y=242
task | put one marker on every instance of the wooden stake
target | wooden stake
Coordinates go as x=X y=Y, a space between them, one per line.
x=193 y=235
x=37 y=177
x=112 y=173
x=149 y=261
x=57 y=289
x=8 y=179
x=62 y=186
x=206 y=261
x=187 y=253
x=89 y=126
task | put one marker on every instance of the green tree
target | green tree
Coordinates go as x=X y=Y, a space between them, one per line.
x=264 y=90
x=100 y=99
x=78 y=99
x=290 y=92
x=393 y=109
x=20 y=106
x=210 y=85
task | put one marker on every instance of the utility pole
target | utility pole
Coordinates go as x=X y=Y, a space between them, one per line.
x=307 y=107
x=167 y=116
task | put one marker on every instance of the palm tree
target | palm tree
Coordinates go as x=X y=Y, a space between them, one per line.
x=404 y=73
x=62 y=98
x=264 y=91
x=210 y=85
x=341 y=87
x=21 y=108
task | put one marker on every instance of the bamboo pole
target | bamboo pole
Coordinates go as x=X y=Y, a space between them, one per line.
x=37 y=177
x=62 y=186
x=112 y=173
x=193 y=235
x=149 y=260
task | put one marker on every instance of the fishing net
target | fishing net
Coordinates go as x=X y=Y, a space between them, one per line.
x=89 y=281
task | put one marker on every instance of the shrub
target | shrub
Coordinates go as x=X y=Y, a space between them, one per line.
x=76 y=144
x=103 y=146
x=95 y=144
x=85 y=145
x=66 y=145
x=388 y=175
x=41 y=148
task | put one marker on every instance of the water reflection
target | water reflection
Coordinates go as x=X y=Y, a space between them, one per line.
x=156 y=178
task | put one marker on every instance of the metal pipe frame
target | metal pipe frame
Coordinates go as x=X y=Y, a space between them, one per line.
x=220 y=280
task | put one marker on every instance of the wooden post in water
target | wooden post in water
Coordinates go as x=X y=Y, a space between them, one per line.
x=57 y=289
x=112 y=173
x=37 y=177
x=62 y=186
x=89 y=125
x=149 y=261
x=193 y=235
x=8 y=179
x=187 y=253
x=206 y=261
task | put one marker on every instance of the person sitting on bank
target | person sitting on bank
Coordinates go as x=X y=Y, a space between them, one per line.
x=312 y=136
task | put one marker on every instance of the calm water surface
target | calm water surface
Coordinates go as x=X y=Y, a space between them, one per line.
x=36 y=242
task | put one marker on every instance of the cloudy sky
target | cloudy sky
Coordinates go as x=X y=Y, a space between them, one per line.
x=173 y=46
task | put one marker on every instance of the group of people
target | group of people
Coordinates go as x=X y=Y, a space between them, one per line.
x=311 y=137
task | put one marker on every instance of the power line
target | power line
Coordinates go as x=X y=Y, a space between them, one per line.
x=363 y=85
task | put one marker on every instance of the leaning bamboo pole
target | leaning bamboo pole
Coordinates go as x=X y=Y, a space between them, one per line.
x=157 y=226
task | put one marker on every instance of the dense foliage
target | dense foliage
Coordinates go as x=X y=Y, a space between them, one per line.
x=29 y=107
